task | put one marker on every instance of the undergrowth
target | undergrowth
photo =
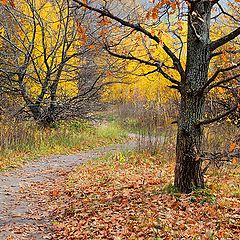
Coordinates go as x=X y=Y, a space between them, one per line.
x=20 y=142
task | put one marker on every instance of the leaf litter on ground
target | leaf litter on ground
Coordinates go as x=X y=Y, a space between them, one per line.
x=129 y=196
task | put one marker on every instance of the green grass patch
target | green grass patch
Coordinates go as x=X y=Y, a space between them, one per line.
x=25 y=141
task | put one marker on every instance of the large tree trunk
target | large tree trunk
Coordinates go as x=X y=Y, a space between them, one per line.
x=189 y=138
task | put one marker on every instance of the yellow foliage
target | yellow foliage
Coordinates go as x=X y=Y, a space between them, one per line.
x=49 y=33
x=137 y=84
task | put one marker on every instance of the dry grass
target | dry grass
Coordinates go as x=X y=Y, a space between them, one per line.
x=153 y=122
x=218 y=137
x=22 y=141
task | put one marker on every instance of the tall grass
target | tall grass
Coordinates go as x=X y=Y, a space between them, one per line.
x=152 y=124
x=218 y=137
x=19 y=136
x=156 y=133
x=23 y=140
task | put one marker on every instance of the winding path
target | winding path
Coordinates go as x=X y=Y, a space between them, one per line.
x=23 y=214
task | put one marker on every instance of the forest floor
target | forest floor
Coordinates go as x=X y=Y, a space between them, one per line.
x=25 y=193
x=114 y=193
x=129 y=196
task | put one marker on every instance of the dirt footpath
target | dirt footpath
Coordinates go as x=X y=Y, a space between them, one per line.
x=23 y=210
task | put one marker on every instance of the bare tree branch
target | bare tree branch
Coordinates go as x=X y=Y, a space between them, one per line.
x=217 y=118
x=220 y=42
x=227 y=80
x=226 y=13
x=139 y=28
x=215 y=75
x=154 y=64
x=215 y=54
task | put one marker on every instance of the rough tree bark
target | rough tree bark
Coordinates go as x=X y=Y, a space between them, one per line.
x=189 y=138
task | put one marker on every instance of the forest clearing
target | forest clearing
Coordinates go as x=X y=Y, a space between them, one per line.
x=119 y=119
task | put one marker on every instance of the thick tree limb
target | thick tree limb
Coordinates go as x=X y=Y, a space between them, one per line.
x=217 y=118
x=220 y=42
x=139 y=28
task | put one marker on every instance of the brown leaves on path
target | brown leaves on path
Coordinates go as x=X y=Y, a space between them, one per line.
x=27 y=193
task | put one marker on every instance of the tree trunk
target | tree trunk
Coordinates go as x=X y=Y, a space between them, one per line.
x=189 y=140
x=188 y=174
x=36 y=111
x=44 y=117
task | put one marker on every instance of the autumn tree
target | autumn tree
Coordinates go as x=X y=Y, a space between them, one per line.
x=48 y=61
x=196 y=76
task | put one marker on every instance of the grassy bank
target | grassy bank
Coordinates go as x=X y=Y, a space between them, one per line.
x=20 y=142
x=129 y=196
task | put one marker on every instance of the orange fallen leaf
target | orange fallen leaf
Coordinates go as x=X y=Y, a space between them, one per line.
x=235 y=160
x=55 y=193
x=232 y=147
x=10 y=238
